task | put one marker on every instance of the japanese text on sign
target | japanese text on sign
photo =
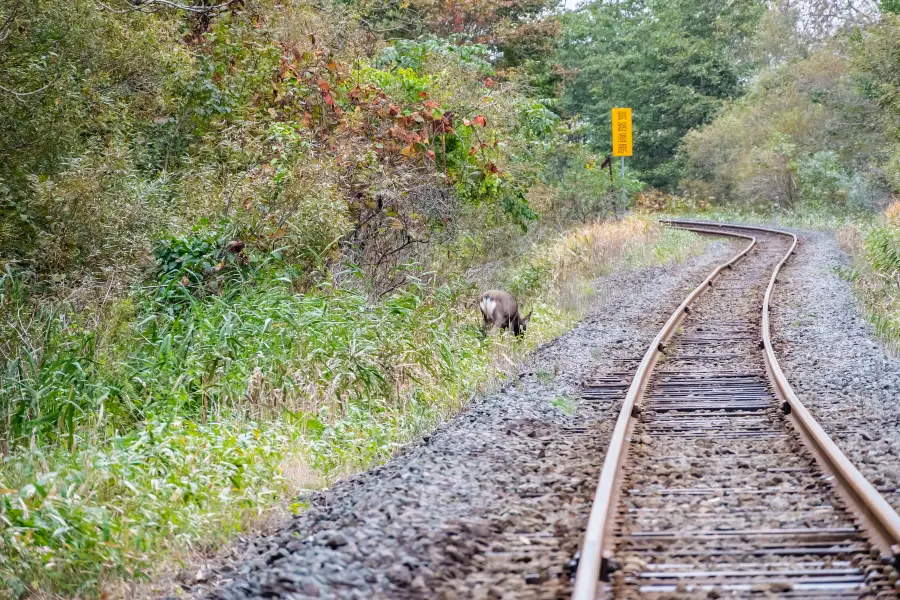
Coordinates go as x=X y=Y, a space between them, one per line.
x=621 y=132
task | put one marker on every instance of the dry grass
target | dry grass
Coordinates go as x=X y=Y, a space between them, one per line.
x=563 y=270
x=892 y=212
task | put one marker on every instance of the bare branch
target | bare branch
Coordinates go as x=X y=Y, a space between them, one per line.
x=187 y=7
x=147 y=5
x=7 y=25
x=21 y=95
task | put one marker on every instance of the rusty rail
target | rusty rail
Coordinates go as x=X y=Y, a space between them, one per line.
x=879 y=520
x=592 y=562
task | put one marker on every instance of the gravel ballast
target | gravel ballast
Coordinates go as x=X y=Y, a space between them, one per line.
x=492 y=504
x=836 y=365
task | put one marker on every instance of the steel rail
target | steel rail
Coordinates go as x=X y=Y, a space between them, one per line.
x=879 y=520
x=592 y=559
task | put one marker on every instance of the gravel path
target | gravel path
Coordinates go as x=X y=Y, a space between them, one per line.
x=834 y=362
x=493 y=504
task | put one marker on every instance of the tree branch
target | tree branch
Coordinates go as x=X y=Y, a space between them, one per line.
x=21 y=95
x=146 y=5
x=7 y=25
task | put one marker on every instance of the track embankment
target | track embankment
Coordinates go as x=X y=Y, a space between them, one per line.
x=493 y=504
x=718 y=481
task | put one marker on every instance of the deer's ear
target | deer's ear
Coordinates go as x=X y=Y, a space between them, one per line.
x=528 y=318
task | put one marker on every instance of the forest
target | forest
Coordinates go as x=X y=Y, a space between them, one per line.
x=242 y=241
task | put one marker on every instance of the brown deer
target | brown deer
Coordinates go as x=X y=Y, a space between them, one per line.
x=500 y=308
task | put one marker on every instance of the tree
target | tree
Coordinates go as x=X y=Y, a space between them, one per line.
x=673 y=62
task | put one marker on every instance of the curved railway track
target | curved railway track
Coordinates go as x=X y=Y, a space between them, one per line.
x=717 y=481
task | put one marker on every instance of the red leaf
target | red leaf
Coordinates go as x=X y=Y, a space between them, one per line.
x=480 y=121
x=430 y=154
x=489 y=82
x=323 y=86
x=329 y=100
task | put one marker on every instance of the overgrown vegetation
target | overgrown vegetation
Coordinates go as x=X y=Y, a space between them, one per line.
x=876 y=271
x=815 y=132
x=173 y=429
x=239 y=244
x=815 y=140
x=240 y=241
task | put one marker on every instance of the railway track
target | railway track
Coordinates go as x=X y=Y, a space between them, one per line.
x=718 y=482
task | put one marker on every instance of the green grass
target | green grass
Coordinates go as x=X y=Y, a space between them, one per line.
x=174 y=418
x=819 y=220
x=875 y=276
x=74 y=519
x=111 y=465
x=567 y=405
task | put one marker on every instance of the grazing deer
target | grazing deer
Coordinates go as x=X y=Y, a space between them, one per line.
x=500 y=308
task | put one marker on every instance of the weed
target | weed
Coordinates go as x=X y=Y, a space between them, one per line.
x=545 y=377
x=567 y=405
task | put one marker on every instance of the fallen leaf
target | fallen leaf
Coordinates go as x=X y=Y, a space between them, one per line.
x=480 y=121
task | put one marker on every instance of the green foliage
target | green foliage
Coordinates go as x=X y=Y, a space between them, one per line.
x=883 y=250
x=876 y=55
x=892 y=6
x=876 y=273
x=412 y=54
x=673 y=63
x=99 y=73
x=75 y=519
x=792 y=143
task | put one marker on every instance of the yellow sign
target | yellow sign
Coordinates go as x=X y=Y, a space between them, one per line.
x=621 y=132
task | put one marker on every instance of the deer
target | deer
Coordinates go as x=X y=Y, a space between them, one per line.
x=501 y=308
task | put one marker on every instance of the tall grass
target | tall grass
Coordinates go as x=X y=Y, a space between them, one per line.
x=564 y=268
x=876 y=272
x=163 y=428
x=167 y=421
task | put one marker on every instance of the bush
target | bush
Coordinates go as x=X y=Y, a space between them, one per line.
x=789 y=142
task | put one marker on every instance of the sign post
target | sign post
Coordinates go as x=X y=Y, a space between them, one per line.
x=621 y=141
